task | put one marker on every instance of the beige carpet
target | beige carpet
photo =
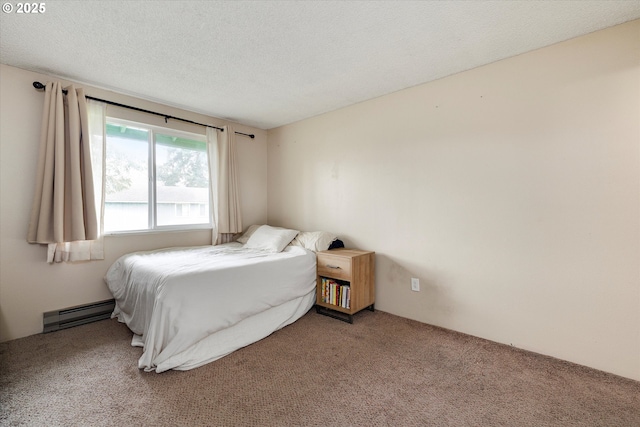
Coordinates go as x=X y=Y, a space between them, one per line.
x=382 y=370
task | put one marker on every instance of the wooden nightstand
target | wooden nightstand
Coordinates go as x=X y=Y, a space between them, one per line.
x=345 y=282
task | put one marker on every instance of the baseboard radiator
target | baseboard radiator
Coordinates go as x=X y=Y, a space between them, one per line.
x=76 y=316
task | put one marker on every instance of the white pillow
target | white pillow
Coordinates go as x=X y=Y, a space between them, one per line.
x=245 y=237
x=314 y=240
x=271 y=239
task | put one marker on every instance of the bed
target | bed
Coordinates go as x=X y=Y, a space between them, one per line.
x=190 y=306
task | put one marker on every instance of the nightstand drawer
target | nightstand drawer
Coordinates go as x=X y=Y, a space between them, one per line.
x=336 y=267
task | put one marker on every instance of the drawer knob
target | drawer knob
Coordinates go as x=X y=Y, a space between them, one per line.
x=333 y=266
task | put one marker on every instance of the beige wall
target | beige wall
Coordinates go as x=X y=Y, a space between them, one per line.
x=28 y=285
x=512 y=191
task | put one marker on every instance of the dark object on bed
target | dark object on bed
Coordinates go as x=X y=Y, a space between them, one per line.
x=336 y=244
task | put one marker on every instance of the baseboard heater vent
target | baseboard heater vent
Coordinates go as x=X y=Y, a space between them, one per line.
x=76 y=316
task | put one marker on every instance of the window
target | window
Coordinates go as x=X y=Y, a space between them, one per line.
x=182 y=209
x=155 y=178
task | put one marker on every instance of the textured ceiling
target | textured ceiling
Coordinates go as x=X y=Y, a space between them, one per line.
x=269 y=63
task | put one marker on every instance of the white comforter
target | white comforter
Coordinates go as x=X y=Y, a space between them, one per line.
x=174 y=298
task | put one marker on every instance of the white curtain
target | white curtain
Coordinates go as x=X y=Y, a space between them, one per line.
x=85 y=250
x=65 y=214
x=226 y=213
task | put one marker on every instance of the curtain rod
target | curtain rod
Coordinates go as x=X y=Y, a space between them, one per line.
x=40 y=86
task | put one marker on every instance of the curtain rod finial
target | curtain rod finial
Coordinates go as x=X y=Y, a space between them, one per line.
x=38 y=85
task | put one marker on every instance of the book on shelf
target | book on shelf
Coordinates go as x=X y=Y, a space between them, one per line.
x=335 y=293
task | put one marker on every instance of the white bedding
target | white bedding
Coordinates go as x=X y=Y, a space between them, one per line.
x=189 y=306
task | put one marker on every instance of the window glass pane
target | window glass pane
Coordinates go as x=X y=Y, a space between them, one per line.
x=127 y=179
x=182 y=181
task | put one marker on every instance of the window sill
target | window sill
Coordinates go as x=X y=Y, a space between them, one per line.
x=157 y=231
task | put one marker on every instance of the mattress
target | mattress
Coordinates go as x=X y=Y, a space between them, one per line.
x=190 y=306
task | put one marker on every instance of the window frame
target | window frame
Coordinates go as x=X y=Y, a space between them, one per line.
x=152 y=210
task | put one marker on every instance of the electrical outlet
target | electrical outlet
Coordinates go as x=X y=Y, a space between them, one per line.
x=415 y=284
